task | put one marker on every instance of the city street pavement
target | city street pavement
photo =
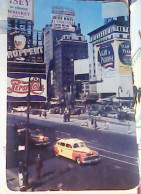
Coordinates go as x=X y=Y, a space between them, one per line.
x=115 y=126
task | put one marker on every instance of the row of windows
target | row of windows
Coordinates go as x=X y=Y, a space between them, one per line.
x=110 y=30
x=63 y=144
x=63 y=18
x=70 y=38
x=120 y=36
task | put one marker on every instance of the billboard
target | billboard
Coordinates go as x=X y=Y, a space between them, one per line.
x=124 y=57
x=20 y=9
x=63 y=18
x=18 y=85
x=19 y=48
x=105 y=64
x=106 y=55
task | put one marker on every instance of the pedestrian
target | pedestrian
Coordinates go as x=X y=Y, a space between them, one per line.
x=95 y=124
x=65 y=115
x=40 y=113
x=38 y=165
x=45 y=114
x=92 y=121
x=21 y=178
x=107 y=126
x=68 y=115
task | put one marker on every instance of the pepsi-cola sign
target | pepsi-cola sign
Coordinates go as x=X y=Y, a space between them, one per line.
x=106 y=56
x=18 y=87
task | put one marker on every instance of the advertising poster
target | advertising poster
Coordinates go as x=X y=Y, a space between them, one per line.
x=18 y=87
x=63 y=18
x=63 y=131
x=105 y=66
x=21 y=9
x=124 y=54
x=106 y=55
x=21 y=49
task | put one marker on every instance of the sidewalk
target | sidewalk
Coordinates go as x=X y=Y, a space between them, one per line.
x=83 y=120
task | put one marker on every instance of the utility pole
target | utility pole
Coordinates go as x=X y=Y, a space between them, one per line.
x=26 y=139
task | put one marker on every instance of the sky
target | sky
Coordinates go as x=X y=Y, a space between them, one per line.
x=87 y=13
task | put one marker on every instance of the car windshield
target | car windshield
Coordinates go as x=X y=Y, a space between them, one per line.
x=36 y=132
x=80 y=144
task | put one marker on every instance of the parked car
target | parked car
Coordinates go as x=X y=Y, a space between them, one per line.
x=109 y=112
x=76 y=150
x=55 y=110
x=75 y=111
x=113 y=114
x=94 y=113
x=35 y=137
x=20 y=109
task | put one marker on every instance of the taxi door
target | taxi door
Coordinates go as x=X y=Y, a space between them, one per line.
x=67 y=152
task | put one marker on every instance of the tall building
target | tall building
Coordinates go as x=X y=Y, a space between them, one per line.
x=111 y=59
x=63 y=43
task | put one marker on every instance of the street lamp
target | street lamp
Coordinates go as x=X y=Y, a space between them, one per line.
x=119 y=90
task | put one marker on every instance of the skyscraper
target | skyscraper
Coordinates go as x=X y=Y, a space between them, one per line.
x=63 y=43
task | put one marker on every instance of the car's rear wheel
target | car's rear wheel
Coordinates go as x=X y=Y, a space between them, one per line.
x=78 y=161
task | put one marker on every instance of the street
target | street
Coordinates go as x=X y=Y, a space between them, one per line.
x=118 y=168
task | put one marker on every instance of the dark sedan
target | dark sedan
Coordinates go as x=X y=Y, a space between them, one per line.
x=35 y=137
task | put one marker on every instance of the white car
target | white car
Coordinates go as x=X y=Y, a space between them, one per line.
x=20 y=109
x=76 y=150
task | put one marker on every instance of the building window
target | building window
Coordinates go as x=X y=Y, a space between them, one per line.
x=128 y=36
x=120 y=36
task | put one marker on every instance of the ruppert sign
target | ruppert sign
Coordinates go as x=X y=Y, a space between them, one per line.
x=20 y=9
x=19 y=50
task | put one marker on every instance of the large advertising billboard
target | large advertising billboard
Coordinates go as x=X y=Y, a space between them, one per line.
x=124 y=57
x=106 y=55
x=20 y=49
x=18 y=87
x=20 y=9
x=63 y=18
x=105 y=62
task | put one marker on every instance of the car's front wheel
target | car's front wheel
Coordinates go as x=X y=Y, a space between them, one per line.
x=78 y=161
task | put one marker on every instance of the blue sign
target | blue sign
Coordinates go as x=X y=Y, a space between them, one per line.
x=124 y=53
x=106 y=56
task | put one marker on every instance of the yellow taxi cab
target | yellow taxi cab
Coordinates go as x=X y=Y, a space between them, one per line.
x=76 y=150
